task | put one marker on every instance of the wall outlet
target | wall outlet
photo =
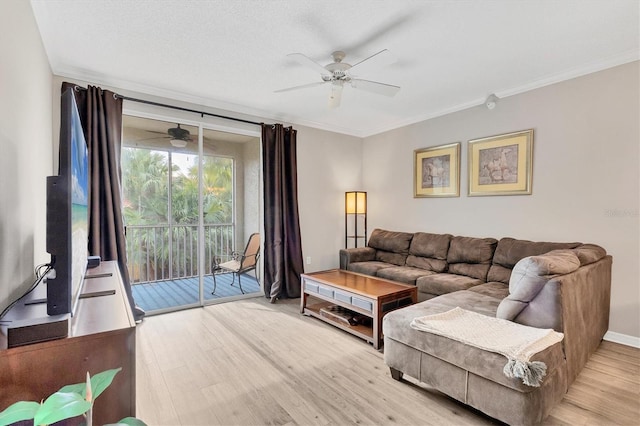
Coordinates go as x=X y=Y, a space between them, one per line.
x=308 y=260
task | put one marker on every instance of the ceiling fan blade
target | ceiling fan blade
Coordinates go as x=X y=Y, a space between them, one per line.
x=336 y=94
x=377 y=31
x=156 y=138
x=309 y=63
x=154 y=131
x=398 y=23
x=373 y=62
x=304 y=86
x=375 y=87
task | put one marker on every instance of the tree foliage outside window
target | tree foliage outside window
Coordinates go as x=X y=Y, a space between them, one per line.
x=146 y=180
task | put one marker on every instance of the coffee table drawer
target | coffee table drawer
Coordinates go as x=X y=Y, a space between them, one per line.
x=325 y=291
x=342 y=296
x=365 y=304
x=311 y=287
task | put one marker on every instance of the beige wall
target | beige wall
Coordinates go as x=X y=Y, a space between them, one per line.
x=328 y=165
x=25 y=147
x=252 y=188
x=585 y=175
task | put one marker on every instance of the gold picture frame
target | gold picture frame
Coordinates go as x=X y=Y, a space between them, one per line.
x=436 y=171
x=501 y=165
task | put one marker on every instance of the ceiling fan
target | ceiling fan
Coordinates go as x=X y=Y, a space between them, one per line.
x=177 y=136
x=339 y=73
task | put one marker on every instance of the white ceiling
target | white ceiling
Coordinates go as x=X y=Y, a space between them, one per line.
x=233 y=54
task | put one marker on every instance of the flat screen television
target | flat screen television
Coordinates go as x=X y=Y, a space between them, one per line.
x=67 y=213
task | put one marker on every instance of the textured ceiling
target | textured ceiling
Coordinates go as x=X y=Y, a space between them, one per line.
x=233 y=54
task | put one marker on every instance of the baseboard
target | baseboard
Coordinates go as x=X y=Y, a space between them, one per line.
x=623 y=339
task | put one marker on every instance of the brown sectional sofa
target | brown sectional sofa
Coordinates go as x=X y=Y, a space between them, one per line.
x=563 y=286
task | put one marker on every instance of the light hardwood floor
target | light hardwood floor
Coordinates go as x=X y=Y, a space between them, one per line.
x=253 y=363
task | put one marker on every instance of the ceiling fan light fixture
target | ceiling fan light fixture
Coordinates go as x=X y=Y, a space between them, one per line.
x=178 y=143
x=335 y=95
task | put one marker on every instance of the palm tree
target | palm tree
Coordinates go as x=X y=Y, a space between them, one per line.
x=146 y=198
x=144 y=184
x=218 y=191
x=145 y=179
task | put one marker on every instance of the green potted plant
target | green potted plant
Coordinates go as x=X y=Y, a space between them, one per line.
x=68 y=402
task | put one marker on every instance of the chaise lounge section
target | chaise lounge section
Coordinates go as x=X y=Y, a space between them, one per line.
x=547 y=285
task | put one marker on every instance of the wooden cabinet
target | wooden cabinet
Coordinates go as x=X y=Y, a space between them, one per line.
x=101 y=337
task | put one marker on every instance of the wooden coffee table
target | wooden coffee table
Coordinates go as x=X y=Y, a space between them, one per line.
x=333 y=296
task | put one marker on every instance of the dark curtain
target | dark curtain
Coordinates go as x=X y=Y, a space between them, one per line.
x=282 y=244
x=101 y=116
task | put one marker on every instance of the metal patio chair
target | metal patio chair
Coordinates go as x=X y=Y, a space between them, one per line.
x=241 y=262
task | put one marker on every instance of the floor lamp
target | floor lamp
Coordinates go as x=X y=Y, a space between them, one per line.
x=355 y=211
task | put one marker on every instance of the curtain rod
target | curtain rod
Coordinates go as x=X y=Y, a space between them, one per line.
x=202 y=113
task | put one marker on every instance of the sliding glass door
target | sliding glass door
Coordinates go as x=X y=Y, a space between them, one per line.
x=182 y=211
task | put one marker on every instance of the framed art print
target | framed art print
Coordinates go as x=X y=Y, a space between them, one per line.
x=437 y=171
x=501 y=165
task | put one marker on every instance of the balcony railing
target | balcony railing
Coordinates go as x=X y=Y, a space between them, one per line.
x=168 y=252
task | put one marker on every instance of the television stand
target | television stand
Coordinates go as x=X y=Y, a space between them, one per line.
x=82 y=296
x=102 y=275
x=101 y=336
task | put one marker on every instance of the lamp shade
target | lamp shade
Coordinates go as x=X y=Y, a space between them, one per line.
x=355 y=202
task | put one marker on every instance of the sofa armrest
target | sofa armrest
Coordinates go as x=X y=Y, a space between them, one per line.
x=352 y=255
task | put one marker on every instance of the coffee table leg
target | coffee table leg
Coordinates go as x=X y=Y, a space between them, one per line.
x=376 y=326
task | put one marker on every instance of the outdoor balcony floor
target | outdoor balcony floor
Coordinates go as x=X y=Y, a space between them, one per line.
x=174 y=293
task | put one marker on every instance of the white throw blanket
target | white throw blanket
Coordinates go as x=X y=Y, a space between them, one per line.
x=515 y=341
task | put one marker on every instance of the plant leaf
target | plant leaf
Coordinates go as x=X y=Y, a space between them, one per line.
x=22 y=410
x=78 y=388
x=101 y=381
x=129 y=421
x=60 y=406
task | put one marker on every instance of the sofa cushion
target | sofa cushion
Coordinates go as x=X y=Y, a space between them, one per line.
x=509 y=251
x=389 y=257
x=429 y=251
x=589 y=253
x=427 y=263
x=445 y=283
x=494 y=289
x=471 y=256
x=396 y=326
x=435 y=246
x=390 y=241
x=403 y=274
x=531 y=279
x=368 y=268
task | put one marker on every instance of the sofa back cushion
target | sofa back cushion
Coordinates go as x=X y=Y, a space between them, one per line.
x=393 y=258
x=534 y=293
x=391 y=247
x=510 y=251
x=429 y=251
x=471 y=256
x=589 y=253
